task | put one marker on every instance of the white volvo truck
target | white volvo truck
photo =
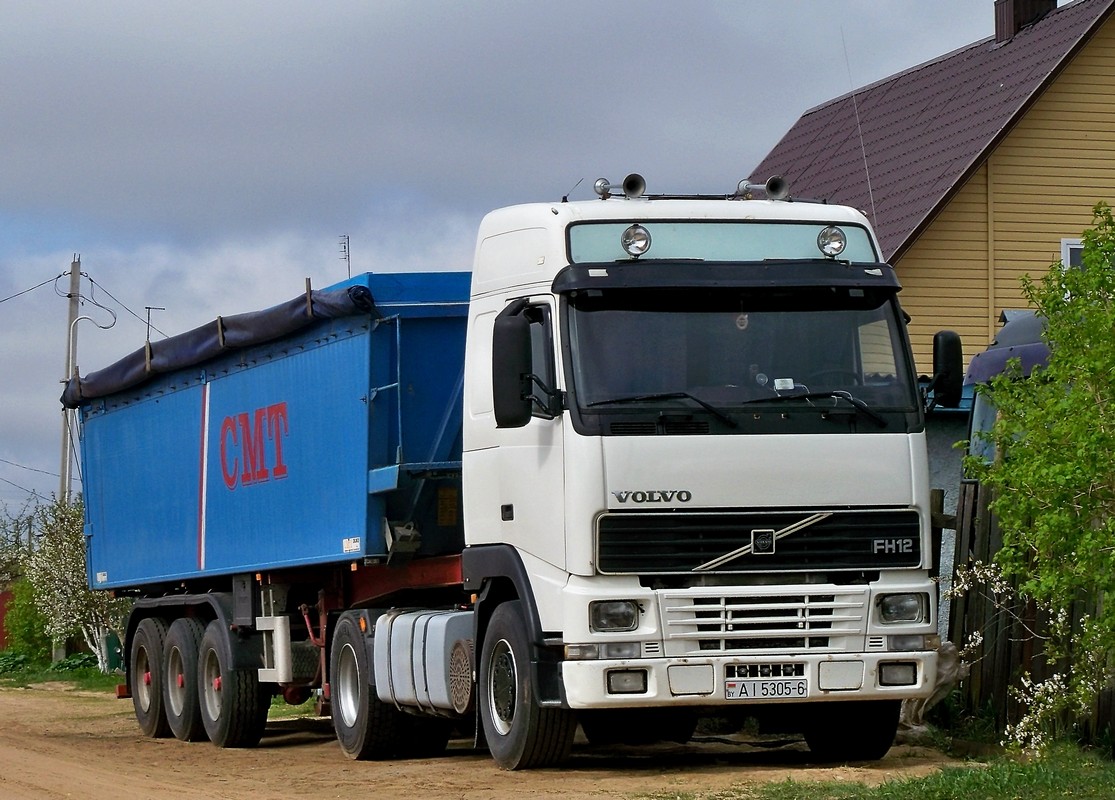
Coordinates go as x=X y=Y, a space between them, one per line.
x=672 y=462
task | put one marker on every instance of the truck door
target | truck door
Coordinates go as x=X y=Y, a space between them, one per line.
x=532 y=466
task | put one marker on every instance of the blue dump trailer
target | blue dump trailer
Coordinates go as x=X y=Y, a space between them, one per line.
x=245 y=472
x=656 y=456
x=282 y=438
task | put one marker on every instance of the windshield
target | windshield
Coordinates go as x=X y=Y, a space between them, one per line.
x=739 y=350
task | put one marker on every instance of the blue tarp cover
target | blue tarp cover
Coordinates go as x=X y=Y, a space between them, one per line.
x=216 y=337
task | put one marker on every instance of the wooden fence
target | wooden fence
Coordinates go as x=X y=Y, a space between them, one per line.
x=1009 y=649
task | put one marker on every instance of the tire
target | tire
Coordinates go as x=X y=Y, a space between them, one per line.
x=366 y=728
x=145 y=674
x=855 y=731
x=232 y=711
x=180 y=698
x=520 y=733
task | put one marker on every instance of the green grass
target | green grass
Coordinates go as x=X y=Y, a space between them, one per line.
x=280 y=709
x=18 y=671
x=1065 y=772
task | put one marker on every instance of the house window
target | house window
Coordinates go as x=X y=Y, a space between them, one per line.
x=1072 y=253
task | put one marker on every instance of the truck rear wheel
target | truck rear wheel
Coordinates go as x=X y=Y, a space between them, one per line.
x=145 y=674
x=855 y=731
x=366 y=727
x=520 y=733
x=180 y=699
x=232 y=704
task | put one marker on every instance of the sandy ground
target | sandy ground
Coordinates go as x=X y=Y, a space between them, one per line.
x=58 y=743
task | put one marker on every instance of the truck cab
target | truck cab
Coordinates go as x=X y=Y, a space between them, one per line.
x=694 y=459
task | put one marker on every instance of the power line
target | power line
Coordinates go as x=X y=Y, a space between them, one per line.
x=134 y=314
x=29 y=469
x=33 y=288
x=31 y=492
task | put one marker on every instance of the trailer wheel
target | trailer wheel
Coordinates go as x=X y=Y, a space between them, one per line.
x=520 y=733
x=145 y=673
x=231 y=709
x=366 y=727
x=854 y=731
x=180 y=699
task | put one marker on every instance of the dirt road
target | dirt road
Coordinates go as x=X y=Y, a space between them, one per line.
x=60 y=743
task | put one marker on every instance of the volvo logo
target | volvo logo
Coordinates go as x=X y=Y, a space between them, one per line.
x=655 y=496
x=762 y=541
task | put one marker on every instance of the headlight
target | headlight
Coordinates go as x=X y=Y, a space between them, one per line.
x=902 y=608
x=613 y=615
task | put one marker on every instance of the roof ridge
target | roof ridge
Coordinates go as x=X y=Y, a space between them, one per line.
x=983 y=87
x=861 y=90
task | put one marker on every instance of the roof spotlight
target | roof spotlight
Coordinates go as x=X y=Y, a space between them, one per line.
x=635 y=240
x=831 y=241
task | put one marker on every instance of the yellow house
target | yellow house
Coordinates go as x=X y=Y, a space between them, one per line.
x=977 y=167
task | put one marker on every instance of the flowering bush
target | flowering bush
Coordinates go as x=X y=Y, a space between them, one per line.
x=1054 y=486
x=55 y=568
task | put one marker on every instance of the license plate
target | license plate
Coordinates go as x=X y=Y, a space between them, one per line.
x=769 y=689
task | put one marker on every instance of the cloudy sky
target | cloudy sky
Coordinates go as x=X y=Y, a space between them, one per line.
x=205 y=157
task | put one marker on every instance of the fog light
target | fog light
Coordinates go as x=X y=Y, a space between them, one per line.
x=914 y=641
x=898 y=673
x=613 y=615
x=627 y=681
x=902 y=608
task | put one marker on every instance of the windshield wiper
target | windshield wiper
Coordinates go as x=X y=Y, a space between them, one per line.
x=636 y=398
x=856 y=403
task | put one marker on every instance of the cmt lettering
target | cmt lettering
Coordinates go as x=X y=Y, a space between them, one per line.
x=245 y=455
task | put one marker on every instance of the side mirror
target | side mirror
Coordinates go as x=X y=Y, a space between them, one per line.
x=948 y=374
x=511 y=359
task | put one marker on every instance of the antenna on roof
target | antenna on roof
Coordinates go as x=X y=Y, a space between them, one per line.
x=859 y=126
x=346 y=253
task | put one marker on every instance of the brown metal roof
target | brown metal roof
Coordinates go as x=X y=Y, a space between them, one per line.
x=925 y=130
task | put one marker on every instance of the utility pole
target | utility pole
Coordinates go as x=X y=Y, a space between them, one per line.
x=71 y=358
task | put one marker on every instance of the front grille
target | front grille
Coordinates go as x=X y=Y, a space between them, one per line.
x=832 y=619
x=653 y=543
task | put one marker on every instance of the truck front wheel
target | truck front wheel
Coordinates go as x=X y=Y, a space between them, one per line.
x=233 y=707
x=520 y=733
x=180 y=699
x=146 y=675
x=366 y=727
x=852 y=731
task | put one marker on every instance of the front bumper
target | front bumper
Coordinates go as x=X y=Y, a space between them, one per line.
x=700 y=681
